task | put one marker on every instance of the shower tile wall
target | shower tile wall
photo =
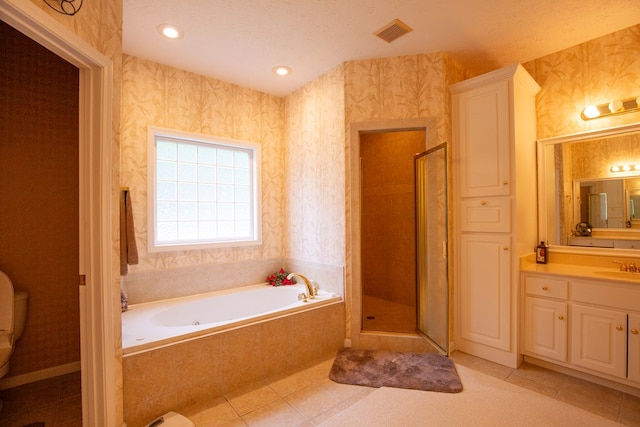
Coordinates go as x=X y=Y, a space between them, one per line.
x=388 y=214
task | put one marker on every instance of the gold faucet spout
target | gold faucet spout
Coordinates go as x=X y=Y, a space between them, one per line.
x=306 y=281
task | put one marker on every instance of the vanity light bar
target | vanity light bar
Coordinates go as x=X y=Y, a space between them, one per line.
x=624 y=168
x=628 y=105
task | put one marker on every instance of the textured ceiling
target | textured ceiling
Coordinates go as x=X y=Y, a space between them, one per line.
x=240 y=41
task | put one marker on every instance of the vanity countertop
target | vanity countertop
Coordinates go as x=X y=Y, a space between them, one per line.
x=581 y=271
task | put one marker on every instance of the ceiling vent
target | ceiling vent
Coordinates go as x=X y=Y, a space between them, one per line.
x=393 y=30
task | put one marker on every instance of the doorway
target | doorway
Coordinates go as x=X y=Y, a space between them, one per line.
x=39 y=193
x=388 y=229
x=97 y=335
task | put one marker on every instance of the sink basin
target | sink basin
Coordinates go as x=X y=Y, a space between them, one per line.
x=620 y=275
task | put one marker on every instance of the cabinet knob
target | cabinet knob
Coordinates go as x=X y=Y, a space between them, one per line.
x=482 y=203
x=505 y=248
x=561 y=317
x=634 y=331
x=545 y=287
x=619 y=327
x=505 y=182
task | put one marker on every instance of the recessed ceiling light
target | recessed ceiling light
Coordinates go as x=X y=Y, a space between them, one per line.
x=282 y=70
x=170 y=31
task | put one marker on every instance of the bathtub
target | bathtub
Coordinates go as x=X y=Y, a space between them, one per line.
x=152 y=325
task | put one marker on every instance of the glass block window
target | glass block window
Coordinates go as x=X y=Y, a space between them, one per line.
x=203 y=192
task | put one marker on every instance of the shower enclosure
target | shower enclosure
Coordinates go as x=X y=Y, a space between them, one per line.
x=431 y=246
x=404 y=235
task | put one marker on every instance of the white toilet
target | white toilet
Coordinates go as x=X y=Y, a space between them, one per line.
x=13 y=314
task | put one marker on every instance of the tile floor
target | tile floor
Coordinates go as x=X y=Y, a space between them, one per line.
x=381 y=315
x=306 y=398
x=55 y=401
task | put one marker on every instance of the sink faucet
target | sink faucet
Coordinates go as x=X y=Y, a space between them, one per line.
x=623 y=266
x=306 y=282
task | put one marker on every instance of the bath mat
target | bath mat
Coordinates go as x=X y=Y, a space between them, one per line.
x=416 y=371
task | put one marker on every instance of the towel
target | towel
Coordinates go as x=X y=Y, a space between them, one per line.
x=128 y=248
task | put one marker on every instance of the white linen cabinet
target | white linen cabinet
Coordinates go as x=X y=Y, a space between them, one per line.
x=494 y=207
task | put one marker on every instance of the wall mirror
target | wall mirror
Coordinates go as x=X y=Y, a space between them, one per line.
x=589 y=190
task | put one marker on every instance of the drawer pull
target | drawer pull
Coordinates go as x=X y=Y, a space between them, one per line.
x=619 y=327
x=634 y=331
x=482 y=203
x=505 y=182
x=561 y=317
x=545 y=287
x=505 y=248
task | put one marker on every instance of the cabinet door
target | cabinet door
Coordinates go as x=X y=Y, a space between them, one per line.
x=485 y=289
x=483 y=127
x=634 y=347
x=545 y=328
x=599 y=339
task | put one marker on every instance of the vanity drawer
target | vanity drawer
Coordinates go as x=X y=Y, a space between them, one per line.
x=590 y=242
x=609 y=294
x=489 y=214
x=541 y=286
x=626 y=244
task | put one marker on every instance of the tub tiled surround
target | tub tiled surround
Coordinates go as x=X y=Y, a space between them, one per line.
x=174 y=377
x=330 y=278
x=154 y=285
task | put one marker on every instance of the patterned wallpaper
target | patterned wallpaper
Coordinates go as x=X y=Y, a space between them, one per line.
x=401 y=88
x=162 y=96
x=315 y=171
x=594 y=72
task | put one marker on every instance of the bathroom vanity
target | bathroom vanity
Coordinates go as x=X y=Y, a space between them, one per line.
x=582 y=317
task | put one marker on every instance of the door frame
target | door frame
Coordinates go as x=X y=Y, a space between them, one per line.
x=97 y=336
x=354 y=331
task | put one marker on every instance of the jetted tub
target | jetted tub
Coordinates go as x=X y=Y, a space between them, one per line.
x=159 y=323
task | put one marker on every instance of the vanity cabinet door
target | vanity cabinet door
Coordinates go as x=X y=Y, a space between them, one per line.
x=545 y=328
x=634 y=347
x=599 y=339
x=485 y=289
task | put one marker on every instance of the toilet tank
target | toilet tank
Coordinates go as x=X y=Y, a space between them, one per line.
x=20 y=300
x=6 y=296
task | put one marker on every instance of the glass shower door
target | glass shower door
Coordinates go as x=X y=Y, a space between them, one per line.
x=431 y=246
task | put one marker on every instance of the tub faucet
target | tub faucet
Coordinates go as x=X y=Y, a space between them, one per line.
x=306 y=281
x=623 y=266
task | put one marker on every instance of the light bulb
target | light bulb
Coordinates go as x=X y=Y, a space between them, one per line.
x=170 y=31
x=615 y=106
x=626 y=168
x=615 y=169
x=591 y=112
x=282 y=70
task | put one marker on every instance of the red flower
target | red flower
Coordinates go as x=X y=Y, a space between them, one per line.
x=279 y=278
